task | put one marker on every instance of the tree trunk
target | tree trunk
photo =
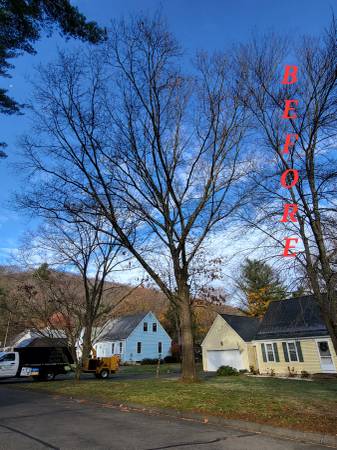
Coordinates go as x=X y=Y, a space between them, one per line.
x=188 y=363
x=87 y=344
x=77 y=363
x=329 y=312
x=328 y=304
x=332 y=328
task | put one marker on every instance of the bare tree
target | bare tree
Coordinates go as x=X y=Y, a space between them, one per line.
x=154 y=152
x=48 y=303
x=86 y=251
x=262 y=64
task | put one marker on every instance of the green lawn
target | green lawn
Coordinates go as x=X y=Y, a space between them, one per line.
x=151 y=368
x=305 y=405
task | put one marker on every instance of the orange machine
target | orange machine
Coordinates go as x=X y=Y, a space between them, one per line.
x=101 y=367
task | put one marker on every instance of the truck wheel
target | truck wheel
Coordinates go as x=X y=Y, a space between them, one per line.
x=104 y=373
x=49 y=376
x=46 y=376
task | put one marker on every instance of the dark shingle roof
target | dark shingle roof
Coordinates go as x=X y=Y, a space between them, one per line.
x=43 y=342
x=246 y=327
x=120 y=328
x=295 y=317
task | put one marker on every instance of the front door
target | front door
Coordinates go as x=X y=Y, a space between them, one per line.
x=327 y=364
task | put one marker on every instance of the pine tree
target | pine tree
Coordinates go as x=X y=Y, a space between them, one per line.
x=260 y=285
x=21 y=23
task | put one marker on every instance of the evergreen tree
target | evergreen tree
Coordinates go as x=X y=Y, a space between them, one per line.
x=260 y=285
x=21 y=23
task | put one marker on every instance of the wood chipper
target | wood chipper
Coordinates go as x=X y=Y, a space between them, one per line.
x=101 y=367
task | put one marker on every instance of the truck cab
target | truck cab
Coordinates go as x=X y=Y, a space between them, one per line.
x=9 y=364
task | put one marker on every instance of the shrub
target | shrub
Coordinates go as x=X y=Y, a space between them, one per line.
x=291 y=372
x=171 y=359
x=226 y=371
x=305 y=374
x=254 y=371
x=148 y=361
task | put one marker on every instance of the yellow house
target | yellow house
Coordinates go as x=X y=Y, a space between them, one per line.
x=229 y=343
x=291 y=339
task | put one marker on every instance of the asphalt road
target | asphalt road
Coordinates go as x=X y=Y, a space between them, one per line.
x=33 y=421
x=123 y=374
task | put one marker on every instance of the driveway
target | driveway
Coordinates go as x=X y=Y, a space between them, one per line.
x=30 y=420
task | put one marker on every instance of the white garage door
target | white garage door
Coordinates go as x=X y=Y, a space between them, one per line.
x=217 y=358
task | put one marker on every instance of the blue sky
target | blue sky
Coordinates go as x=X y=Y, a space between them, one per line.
x=198 y=24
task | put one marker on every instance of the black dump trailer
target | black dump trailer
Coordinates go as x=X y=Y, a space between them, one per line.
x=44 y=362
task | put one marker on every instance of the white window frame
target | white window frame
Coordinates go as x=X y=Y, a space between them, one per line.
x=267 y=356
x=297 y=357
x=120 y=348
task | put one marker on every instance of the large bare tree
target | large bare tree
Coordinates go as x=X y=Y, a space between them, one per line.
x=124 y=134
x=262 y=64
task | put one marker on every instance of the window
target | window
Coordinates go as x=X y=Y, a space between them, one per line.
x=112 y=348
x=270 y=353
x=8 y=357
x=154 y=327
x=139 y=347
x=292 y=351
x=160 y=347
x=145 y=326
x=121 y=347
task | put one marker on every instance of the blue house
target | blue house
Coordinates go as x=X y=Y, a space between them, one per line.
x=133 y=337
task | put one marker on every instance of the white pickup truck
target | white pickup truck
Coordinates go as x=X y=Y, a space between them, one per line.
x=41 y=363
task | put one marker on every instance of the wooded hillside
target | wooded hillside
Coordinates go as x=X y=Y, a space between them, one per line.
x=16 y=290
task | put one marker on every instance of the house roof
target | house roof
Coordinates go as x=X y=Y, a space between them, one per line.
x=13 y=341
x=295 y=317
x=120 y=328
x=43 y=342
x=34 y=338
x=246 y=327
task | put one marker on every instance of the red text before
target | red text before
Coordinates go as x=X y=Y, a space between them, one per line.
x=290 y=209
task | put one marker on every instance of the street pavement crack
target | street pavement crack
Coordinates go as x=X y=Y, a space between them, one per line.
x=213 y=441
x=22 y=433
